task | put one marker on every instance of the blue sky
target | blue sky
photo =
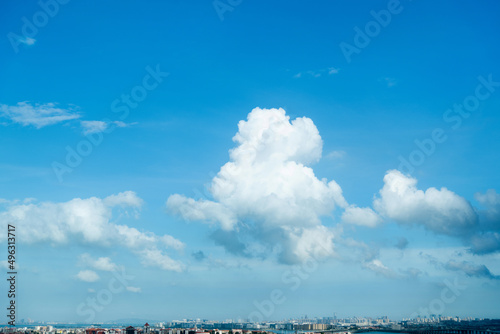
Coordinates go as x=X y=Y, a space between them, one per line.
x=252 y=146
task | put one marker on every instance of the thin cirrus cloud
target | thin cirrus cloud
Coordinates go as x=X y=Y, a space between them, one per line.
x=93 y=126
x=336 y=155
x=317 y=73
x=37 y=115
x=42 y=115
x=89 y=222
x=89 y=127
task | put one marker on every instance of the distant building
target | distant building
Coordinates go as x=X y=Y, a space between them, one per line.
x=95 y=331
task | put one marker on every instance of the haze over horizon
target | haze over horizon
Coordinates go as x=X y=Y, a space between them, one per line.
x=172 y=159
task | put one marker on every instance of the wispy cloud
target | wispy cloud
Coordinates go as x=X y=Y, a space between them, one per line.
x=317 y=73
x=93 y=126
x=390 y=82
x=102 y=263
x=470 y=269
x=87 y=276
x=26 y=40
x=467 y=267
x=333 y=70
x=37 y=115
x=42 y=115
x=133 y=289
x=334 y=155
x=100 y=126
x=379 y=268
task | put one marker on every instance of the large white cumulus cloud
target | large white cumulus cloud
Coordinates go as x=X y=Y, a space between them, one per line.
x=441 y=211
x=267 y=200
x=89 y=221
x=268 y=183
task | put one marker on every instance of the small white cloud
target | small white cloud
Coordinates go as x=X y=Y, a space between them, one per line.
x=93 y=126
x=120 y=124
x=38 y=115
x=124 y=199
x=90 y=290
x=133 y=289
x=27 y=40
x=336 y=155
x=318 y=73
x=314 y=74
x=90 y=127
x=102 y=263
x=333 y=70
x=87 y=276
x=379 y=268
x=4 y=264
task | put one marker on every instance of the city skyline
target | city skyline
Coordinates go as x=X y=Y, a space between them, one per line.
x=305 y=319
x=249 y=160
